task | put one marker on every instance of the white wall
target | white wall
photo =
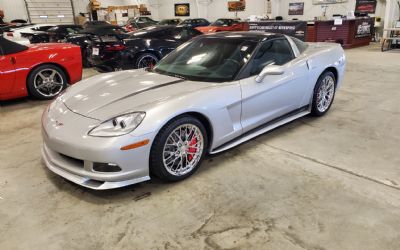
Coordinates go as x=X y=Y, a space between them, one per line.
x=217 y=8
x=311 y=11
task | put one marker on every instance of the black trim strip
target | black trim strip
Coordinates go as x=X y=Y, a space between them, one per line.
x=278 y=119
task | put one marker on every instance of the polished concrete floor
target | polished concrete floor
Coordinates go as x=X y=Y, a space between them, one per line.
x=317 y=183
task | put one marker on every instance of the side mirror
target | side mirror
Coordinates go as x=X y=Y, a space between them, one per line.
x=269 y=70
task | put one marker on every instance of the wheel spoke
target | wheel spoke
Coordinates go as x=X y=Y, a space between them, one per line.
x=183 y=149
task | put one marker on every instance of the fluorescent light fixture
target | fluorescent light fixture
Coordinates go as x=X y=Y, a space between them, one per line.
x=45 y=17
x=61 y=16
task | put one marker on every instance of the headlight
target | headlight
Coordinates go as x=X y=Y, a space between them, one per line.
x=117 y=126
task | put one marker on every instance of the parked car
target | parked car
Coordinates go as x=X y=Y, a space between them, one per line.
x=90 y=24
x=143 y=48
x=85 y=37
x=55 y=34
x=211 y=94
x=136 y=23
x=41 y=71
x=21 y=35
x=223 y=24
x=174 y=21
x=195 y=22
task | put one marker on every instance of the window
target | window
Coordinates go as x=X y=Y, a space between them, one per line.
x=42 y=28
x=8 y=47
x=274 y=52
x=208 y=59
x=302 y=46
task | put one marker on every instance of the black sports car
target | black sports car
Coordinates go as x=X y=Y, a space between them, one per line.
x=85 y=37
x=55 y=34
x=143 y=48
x=174 y=21
x=195 y=22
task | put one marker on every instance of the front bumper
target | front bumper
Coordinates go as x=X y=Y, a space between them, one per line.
x=70 y=153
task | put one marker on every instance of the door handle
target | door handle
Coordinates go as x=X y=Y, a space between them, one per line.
x=13 y=60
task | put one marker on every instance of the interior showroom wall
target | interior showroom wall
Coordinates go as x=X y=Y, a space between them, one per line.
x=212 y=9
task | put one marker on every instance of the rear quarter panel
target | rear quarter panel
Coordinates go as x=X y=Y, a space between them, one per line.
x=66 y=56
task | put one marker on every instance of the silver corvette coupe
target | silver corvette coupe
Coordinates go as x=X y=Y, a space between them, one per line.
x=210 y=94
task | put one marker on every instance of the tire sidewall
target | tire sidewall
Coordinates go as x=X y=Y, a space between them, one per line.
x=31 y=78
x=156 y=155
x=314 y=109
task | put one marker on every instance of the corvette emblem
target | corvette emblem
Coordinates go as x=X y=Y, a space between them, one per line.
x=59 y=124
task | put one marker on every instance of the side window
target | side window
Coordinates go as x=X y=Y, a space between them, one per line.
x=274 y=52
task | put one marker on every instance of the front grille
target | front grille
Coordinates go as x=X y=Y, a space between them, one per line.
x=74 y=161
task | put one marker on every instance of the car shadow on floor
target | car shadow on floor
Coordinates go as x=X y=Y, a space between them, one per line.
x=155 y=186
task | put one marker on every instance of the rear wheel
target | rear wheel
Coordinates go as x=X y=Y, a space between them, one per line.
x=146 y=60
x=46 y=81
x=324 y=93
x=178 y=149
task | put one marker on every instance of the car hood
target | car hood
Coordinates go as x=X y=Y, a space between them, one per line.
x=108 y=95
x=207 y=28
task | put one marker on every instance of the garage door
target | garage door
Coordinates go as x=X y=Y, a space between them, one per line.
x=50 y=11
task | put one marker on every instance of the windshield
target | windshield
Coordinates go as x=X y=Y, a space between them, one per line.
x=222 y=22
x=207 y=59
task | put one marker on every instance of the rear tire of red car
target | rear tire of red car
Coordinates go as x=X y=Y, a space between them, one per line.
x=46 y=82
x=146 y=60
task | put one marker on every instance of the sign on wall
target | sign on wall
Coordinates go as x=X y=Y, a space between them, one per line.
x=234 y=6
x=182 y=9
x=366 y=6
x=296 y=8
x=364 y=27
x=296 y=29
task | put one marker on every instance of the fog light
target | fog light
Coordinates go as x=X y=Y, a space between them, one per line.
x=106 y=167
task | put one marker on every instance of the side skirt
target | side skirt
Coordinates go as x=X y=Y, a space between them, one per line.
x=264 y=128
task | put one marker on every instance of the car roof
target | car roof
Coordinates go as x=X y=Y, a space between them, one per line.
x=246 y=35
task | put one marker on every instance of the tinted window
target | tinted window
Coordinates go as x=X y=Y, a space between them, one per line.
x=207 y=59
x=302 y=46
x=8 y=47
x=274 y=52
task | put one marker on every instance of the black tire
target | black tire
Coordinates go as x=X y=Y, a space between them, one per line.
x=139 y=59
x=61 y=78
x=315 y=111
x=157 y=166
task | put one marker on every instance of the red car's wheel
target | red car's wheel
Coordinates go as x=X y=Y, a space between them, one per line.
x=46 y=82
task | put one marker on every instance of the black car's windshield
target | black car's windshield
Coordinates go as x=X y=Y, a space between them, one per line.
x=207 y=59
x=222 y=22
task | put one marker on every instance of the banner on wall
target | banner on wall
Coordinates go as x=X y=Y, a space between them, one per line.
x=364 y=27
x=366 y=6
x=234 y=6
x=182 y=9
x=296 y=8
x=296 y=29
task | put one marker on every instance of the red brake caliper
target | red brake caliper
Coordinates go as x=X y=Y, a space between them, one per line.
x=192 y=149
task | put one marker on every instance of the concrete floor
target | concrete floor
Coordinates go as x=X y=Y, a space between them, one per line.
x=326 y=183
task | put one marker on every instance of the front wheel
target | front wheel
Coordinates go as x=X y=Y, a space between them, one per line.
x=46 y=82
x=178 y=149
x=324 y=93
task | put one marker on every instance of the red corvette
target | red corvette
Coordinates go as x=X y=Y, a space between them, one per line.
x=41 y=71
x=222 y=24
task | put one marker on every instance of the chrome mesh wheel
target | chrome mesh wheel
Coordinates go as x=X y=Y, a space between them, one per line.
x=183 y=149
x=325 y=93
